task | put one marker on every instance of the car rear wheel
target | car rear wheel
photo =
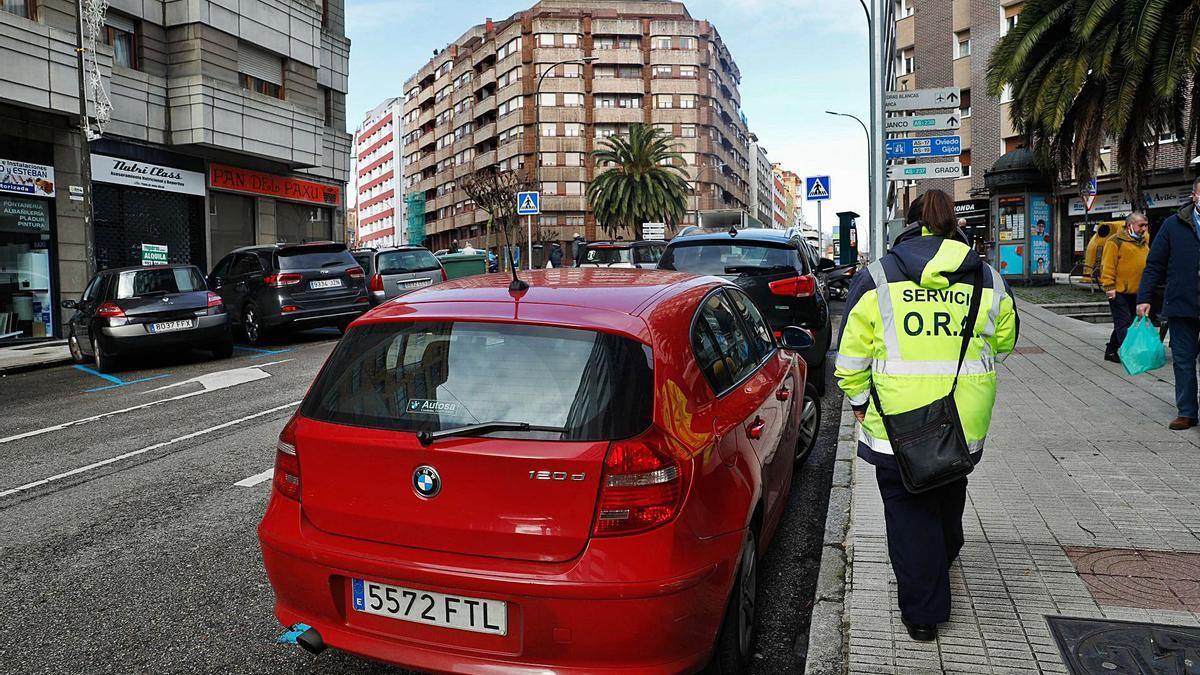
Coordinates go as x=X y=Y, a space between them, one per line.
x=76 y=351
x=810 y=424
x=104 y=361
x=733 y=654
x=252 y=326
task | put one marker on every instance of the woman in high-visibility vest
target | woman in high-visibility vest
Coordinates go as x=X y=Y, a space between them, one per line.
x=901 y=335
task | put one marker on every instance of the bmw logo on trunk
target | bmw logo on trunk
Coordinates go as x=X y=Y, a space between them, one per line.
x=426 y=482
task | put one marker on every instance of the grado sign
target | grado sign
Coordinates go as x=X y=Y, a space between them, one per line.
x=154 y=254
x=230 y=178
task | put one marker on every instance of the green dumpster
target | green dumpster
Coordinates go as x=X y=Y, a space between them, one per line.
x=460 y=265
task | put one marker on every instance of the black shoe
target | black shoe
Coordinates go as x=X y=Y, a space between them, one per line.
x=921 y=632
x=1112 y=357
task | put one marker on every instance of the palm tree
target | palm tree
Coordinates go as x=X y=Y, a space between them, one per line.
x=1083 y=72
x=647 y=182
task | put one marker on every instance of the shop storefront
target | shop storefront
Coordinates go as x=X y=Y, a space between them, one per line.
x=975 y=213
x=27 y=251
x=257 y=207
x=1112 y=207
x=139 y=205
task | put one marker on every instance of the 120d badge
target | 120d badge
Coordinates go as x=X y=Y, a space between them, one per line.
x=556 y=475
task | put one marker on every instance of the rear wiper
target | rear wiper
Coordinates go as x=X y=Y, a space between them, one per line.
x=428 y=437
x=151 y=294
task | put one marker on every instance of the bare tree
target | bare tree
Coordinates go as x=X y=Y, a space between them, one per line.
x=496 y=192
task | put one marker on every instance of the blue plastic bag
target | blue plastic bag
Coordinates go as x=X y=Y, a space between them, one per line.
x=1142 y=351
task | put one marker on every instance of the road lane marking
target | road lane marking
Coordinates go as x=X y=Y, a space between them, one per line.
x=149 y=448
x=256 y=478
x=211 y=382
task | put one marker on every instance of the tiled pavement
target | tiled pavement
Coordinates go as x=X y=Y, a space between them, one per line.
x=1079 y=460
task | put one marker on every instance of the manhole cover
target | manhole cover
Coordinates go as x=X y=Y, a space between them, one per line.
x=1095 y=646
x=1030 y=350
x=1121 y=577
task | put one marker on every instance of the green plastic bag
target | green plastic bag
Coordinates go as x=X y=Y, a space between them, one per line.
x=1142 y=351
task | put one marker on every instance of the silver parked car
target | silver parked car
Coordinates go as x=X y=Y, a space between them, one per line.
x=396 y=271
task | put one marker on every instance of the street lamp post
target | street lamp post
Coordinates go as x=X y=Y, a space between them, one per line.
x=537 y=143
x=870 y=158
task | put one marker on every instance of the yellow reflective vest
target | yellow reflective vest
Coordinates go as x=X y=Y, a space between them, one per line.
x=901 y=333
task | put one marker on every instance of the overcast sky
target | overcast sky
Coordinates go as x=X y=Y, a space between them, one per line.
x=798 y=59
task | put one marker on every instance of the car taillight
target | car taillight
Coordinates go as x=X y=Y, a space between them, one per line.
x=376 y=285
x=642 y=487
x=287 y=463
x=283 y=279
x=850 y=272
x=796 y=287
x=356 y=273
x=114 y=314
x=214 y=300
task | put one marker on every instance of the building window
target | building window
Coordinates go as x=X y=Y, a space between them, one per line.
x=664 y=101
x=661 y=71
x=572 y=70
x=570 y=40
x=511 y=47
x=687 y=131
x=573 y=159
x=545 y=39
x=120 y=33
x=573 y=188
x=572 y=129
x=260 y=70
x=962 y=44
x=907 y=65
x=903 y=9
x=550 y=188
x=687 y=42
x=573 y=100
x=549 y=129
x=687 y=101
x=1006 y=94
x=661 y=42
x=548 y=100
x=687 y=72
x=24 y=8
x=328 y=106
x=548 y=158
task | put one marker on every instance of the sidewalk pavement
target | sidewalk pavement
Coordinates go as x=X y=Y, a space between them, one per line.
x=1085 y=505
x=36 y=355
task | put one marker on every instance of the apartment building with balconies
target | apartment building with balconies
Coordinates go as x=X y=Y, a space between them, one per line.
x=761 y=195
x=475 y=104
x=227 y=128
x=378 y=168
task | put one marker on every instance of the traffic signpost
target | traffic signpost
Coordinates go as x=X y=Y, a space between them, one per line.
x=933 y=146
x=1088 y=192
x=529 y=204
x=654 y=230
x=947 y=121
x=922 y=99
x=817 y=189
x=924 y=171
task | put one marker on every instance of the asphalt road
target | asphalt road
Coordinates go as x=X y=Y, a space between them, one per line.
x=127 y=543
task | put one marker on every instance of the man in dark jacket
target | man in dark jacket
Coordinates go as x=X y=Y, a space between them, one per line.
x=1175 y=260
x=556 y=254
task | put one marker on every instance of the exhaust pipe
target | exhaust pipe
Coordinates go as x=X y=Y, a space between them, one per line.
x=306 y=636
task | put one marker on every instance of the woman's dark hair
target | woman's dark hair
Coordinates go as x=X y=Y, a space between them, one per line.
x=937 y=213
x=914 y=210
x=1103 y=230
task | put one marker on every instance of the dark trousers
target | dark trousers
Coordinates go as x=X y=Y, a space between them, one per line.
x=1123 y=306
x=1184 y=333
x=924 y=535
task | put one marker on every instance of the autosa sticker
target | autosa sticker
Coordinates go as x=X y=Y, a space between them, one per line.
x=428 y=407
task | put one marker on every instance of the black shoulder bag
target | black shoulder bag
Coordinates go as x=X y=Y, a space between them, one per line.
x=928 y=442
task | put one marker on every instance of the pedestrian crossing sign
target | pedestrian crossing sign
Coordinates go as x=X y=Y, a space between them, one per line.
x=529 y=203
x=816 y=188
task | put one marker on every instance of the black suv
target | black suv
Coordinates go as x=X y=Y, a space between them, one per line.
x=290 y=286
x=775 y=269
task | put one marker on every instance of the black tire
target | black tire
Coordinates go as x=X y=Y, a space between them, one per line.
x=104 y=361
x=735 y=642
x=77 y=354
x=223 y=349
x=252 y=325
x=810 y=425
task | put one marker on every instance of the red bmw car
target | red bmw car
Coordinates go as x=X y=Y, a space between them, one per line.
x=578 y=477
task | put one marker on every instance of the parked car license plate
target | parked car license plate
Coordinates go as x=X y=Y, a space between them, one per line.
x=416 y=283
x=168 y=326
x=435 y=609
x=325 y=283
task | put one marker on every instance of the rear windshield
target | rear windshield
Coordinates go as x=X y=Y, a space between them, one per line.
x=160 y=281
x=315 y=257
x=731 y=258
x=403 y=262
x=606 y=256
x=429 y=376
x=363 y=260
x=647 y=254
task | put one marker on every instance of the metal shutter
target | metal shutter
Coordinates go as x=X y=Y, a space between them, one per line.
x=258 y=63
x=120 y=22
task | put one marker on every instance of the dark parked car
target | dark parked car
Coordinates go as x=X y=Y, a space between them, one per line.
x=396 y=271
x=132 y=309
x=643 y=254
x=775 y=269
x=290 y=286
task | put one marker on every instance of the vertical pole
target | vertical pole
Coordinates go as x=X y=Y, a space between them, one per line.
x=85 y=153
x=820 y=225
x=879 y=182
x=529 y=242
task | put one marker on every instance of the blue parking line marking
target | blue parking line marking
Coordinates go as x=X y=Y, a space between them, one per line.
x=261 y=352
x=104 y=376
x=124 y=383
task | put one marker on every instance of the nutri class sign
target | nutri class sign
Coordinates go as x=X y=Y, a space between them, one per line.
x=223 y=177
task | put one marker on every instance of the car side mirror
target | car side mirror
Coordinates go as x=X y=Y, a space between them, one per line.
x=70 y=304
x=796 y=339
x=825 y=264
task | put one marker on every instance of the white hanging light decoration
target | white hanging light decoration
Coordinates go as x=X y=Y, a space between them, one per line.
x=93 y=20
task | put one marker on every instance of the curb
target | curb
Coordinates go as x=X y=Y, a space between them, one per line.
x=26 y=367
x=827 y=630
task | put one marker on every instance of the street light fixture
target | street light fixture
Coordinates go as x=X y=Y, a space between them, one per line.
x=870 y=158
x=537 y=141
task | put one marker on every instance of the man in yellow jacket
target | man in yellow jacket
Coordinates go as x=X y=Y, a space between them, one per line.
x=1120 y=271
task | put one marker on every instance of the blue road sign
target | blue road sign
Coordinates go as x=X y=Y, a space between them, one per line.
x=529 y=203
x=816 y=188
x=933 y=146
